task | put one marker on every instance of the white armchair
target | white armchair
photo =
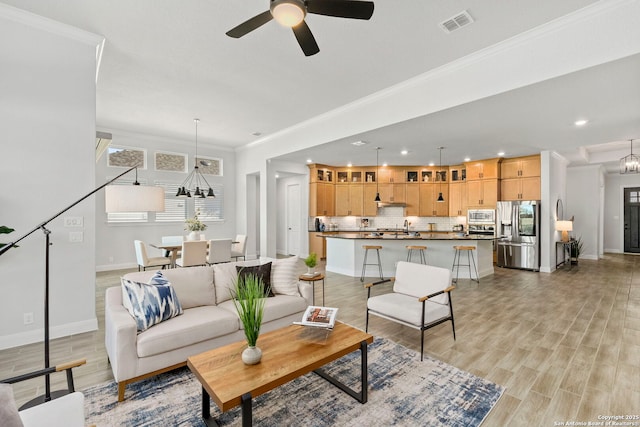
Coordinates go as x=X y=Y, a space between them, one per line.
x=421 y=298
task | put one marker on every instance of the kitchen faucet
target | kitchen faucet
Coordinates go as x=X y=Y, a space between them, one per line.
x=406 y=226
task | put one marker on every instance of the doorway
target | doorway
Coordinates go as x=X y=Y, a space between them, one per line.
x=293 y=219
x=632 y=219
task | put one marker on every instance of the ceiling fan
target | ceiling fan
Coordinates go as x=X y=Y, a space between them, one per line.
x=291 y=13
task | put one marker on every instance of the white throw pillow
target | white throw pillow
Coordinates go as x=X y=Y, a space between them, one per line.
x=284 y=276
x=224 y=279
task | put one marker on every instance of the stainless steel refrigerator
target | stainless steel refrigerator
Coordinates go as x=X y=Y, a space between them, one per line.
x=518 y=232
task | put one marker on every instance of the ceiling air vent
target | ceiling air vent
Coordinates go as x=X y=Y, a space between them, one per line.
x=455 y=22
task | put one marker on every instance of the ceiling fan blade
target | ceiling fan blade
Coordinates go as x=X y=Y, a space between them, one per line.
x=250 y=25
x=305 y=39
x=341 y=8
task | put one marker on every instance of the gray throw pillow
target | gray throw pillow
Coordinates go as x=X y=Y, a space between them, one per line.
x=9 y=416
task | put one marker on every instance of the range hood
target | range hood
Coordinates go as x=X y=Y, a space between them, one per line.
x=392 y=204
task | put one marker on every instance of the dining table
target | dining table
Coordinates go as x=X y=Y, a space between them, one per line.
x=173 y=249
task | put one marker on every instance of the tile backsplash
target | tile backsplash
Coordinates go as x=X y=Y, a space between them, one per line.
x=389 y=217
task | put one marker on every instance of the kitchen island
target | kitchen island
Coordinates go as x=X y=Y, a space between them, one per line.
x=345 y=254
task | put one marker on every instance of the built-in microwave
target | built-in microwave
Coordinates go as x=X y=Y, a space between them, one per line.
x=481 y=216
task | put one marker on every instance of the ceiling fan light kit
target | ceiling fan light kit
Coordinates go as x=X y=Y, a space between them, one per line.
x=291 y=13
x=288 y=13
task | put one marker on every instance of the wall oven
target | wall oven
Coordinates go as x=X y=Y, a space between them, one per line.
x=481 y=216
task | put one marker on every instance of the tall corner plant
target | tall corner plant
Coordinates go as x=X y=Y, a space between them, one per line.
x=249 y=298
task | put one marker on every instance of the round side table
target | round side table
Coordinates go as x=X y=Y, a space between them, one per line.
x=313 y=280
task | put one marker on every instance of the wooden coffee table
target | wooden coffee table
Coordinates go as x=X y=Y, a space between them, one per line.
x=287 y=353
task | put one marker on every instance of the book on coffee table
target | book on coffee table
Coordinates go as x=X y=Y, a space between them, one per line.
x=321 y=317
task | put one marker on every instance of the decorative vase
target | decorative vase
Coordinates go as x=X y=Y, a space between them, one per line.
x=251 y=355
x=310 y=271
x=194 y=235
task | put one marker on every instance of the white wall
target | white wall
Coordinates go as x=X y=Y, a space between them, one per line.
x=47 y=118
x=614 y=209
x=553 y=188
x=584 y=189
x=115 y=241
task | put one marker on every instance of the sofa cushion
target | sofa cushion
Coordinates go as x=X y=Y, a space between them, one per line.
x=151 y=304
x=274 y=308
x=284 y=276
x=262 y=271
x=193 y=326
x=194 y=285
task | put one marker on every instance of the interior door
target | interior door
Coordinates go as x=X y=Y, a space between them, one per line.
x=632 y=219
x=293 y=219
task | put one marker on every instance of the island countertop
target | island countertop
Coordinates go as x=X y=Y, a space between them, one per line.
x=422 y=236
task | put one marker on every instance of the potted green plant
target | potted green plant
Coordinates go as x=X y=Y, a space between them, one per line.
x=249 y=298
x=194 y=226
x=5 y=230
x=311 y=261
x=576 y=249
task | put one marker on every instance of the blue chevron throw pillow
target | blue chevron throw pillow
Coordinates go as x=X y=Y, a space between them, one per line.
x=151 y=303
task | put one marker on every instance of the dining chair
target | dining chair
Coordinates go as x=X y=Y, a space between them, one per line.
x=239 y=247
x=193 y=253
x=219 y=251
x=144 y=261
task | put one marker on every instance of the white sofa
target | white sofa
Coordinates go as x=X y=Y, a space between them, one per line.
x=209 y=319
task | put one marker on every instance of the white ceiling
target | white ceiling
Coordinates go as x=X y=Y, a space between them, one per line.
x=166 y=62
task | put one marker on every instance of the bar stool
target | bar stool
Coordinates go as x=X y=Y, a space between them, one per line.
x=456 y=257
x=421 y=249
x=364 y=262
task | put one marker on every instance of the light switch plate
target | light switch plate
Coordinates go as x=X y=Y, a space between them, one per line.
x=76 y=236
x=73 y=221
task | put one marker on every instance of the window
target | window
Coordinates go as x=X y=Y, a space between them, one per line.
x=120 y=217
x=211 y=209
x=634 y=197
x=170 y=162
x=175 y=210
x=209 y=165
x=126 y=157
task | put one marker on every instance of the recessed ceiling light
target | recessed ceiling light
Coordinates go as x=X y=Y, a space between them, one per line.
x=500 y=153
x=277 y=176
x=358 y=143
x=432 y=164
x=404 y=152
x=467 y=159
x=385 y=164
x=581 y=122
x=349 y=165
x=308 y=160
x=256 y=133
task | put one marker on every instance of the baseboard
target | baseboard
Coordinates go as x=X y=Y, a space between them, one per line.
x=613 y=251
x=110 y=267
x=37 y=335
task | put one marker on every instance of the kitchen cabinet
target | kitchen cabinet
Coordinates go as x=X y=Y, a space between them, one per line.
x=321 y=199
x=412 y=200
x=429 y=206
x=320 y=173
x=458 y=198
x=520 y=188
x=482 y=193
x=369 y=205
x=349 y=176
x=349 y=200
x=520 y=167
x=318 y=245
x=483 y=169
x=457 y=173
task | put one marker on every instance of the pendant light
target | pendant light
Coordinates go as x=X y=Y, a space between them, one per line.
x=377 y=199
x=630 y=163
x=440 y=198
x=195 y=180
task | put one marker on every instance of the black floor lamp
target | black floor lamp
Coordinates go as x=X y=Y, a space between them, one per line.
x=118 y=198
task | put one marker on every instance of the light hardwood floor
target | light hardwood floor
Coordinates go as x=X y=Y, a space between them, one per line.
x=566 y=345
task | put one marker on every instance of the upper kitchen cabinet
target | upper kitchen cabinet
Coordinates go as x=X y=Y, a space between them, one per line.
x=349 y=175
x=349 y=200
x=429 y=206
x=320 y=173
x=457 y=173
x=519 y=167
x=483 y=169
x=412 y=200
x=483 y=193
x=458 y=198
x=321 y=199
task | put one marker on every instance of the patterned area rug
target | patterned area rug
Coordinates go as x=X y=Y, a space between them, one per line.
x=402 y=391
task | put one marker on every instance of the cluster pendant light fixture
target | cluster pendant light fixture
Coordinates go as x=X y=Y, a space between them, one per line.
x=630 y=163
x=195 y=181
x=440 y=198
x=377 y=199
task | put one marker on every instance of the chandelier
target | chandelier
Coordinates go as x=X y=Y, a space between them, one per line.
x=195 y=182
x=630 y=163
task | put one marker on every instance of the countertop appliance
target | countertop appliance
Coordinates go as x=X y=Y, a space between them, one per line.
x=518 y=226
